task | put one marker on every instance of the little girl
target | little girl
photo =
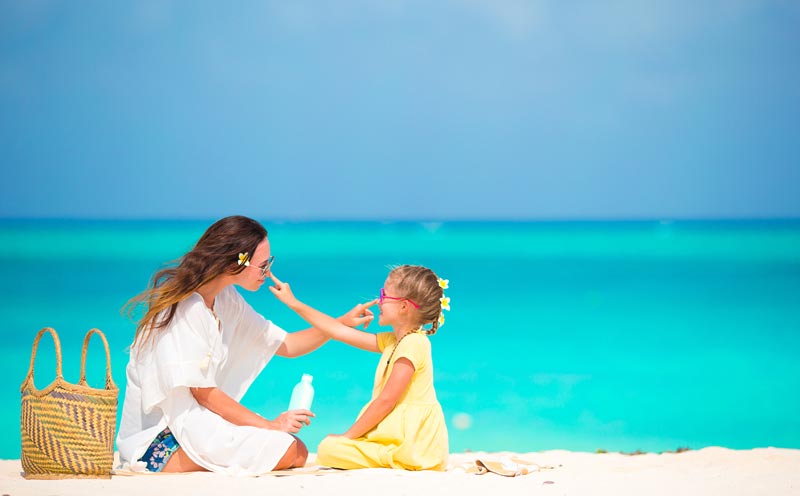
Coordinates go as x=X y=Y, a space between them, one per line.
x=403 y=425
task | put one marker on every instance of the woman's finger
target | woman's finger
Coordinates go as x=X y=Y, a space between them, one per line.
x=366 y=320
x=277 y=281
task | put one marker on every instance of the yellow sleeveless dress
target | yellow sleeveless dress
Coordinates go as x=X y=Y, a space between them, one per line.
x=413 y=436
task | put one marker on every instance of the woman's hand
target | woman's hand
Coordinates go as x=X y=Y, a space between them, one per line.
x=360 y=314
x=292 y=421
x=283 y=292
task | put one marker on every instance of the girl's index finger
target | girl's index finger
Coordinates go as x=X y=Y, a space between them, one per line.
x=370 y=303
x=277 y=281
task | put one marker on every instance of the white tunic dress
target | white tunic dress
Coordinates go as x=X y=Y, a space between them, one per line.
x=197 y=350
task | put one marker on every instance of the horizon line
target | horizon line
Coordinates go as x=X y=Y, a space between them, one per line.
x=462 y=220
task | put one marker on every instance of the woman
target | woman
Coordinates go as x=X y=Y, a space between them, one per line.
x=197 y=349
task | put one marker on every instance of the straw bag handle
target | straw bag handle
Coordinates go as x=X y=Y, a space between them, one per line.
x=109 y=380
x=57 y=343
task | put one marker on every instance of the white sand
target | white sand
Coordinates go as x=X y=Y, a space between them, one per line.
x=710 y=471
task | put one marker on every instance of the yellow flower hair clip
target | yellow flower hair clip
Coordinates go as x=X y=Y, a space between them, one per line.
x=444 y=301
x=244 y=259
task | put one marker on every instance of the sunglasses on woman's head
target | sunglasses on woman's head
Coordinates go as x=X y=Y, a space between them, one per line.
x=384 y=296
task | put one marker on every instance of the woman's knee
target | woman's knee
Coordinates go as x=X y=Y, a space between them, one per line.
x=295 y=456
x=301 y=453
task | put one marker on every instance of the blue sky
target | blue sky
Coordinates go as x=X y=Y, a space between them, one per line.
x=482 y=109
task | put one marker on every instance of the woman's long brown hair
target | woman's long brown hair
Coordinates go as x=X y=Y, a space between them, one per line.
x=216 y=252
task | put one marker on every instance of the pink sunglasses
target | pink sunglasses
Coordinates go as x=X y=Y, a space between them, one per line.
x=385 y=297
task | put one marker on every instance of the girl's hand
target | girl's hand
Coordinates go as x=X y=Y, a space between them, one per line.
x=282 y=291
x=360 y=314
x=337 y=435
x=292 y=421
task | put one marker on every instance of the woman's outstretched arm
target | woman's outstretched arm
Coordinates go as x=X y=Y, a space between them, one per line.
x=325 y=323
x=301 y=342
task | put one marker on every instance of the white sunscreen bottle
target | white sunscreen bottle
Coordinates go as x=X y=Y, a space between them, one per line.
x=302 y=394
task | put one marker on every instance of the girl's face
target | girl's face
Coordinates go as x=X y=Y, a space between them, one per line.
x=251 y=278
x=392 y=311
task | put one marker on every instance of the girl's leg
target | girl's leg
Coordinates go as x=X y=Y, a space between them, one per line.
x=341 y=452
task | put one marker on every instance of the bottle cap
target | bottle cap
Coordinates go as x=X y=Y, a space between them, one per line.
x=307 y=377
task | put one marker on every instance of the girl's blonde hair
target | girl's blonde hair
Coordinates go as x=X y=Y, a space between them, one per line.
x=216 y=252
x=420 y=285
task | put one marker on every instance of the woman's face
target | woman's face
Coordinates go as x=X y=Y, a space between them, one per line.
x=251 y=277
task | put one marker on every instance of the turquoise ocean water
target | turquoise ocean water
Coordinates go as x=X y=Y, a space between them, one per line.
x=581 y=336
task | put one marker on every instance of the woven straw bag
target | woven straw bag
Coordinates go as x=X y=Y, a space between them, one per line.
x=68 y=429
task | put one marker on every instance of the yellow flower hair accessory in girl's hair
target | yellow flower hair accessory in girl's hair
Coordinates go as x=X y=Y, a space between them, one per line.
x=244 y=259
x=444 y=300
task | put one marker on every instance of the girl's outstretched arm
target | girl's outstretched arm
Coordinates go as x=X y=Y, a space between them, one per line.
x=380 y=407
x=302 y=342
x=325 y=323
